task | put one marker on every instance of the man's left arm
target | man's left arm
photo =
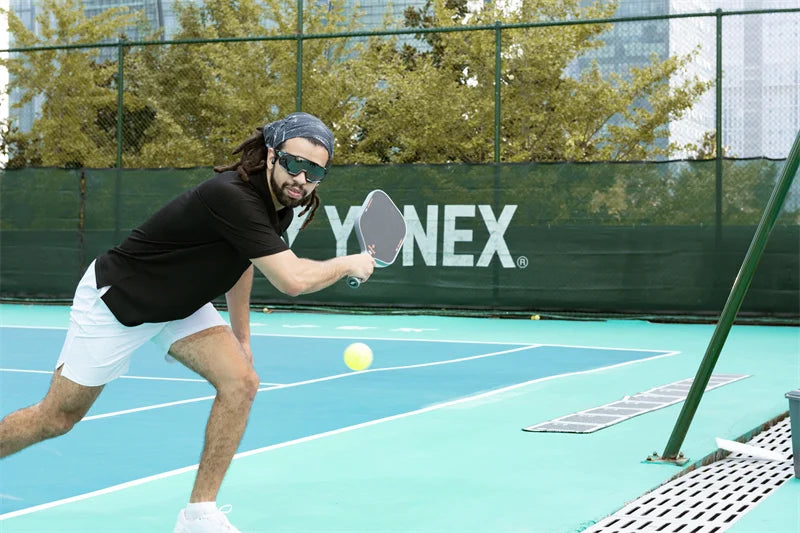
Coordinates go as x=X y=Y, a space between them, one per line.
x=238 y=299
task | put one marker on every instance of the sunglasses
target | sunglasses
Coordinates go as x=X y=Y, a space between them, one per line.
x=294 y=165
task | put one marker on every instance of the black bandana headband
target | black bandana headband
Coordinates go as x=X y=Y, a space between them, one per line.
x=299 y=125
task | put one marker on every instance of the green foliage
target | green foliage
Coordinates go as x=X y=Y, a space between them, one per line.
x=684 y=193
x=21 y=150
x=387 y=101
x=78 y=86
x=436 y=104
x=190 y=104
x=707 y=148
x=206 y=98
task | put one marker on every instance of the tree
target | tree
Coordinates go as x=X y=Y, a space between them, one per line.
x=208 y=97
x=21 y=150
x=190 y=104
x=78 y=86
x=435 y=104
x=707 y=149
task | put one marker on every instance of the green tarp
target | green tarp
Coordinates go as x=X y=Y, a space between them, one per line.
x=604 y=238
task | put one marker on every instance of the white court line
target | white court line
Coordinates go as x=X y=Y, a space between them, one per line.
x=14 y=326
x=348 y=374
x=361 y=338
x=147 y=408
x=147 y=378
x=296 y=384
x=136 y=409
x=318 y=436
x=462 y=341
x=404 y=367
x=335 y=337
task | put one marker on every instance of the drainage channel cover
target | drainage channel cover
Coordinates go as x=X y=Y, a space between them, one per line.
x=613 y=413
x=712 y=498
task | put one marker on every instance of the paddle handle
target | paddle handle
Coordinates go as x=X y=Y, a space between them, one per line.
x=352 y=281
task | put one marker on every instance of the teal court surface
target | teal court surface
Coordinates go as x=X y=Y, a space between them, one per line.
x=429 y=439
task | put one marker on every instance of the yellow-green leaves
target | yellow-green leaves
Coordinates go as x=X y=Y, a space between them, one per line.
x=399 y=99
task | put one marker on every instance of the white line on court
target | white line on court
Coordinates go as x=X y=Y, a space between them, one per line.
x=318 y=436
x=148 y=408
x=459 y=341
x=146 y=378
x=404 y=367
x=15 y=326
x=298 y=383
x=361 y=338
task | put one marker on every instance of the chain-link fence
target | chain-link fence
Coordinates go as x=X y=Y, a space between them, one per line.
x=586 y=115
x=439 y=85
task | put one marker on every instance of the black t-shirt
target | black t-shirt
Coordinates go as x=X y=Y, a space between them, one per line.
x=192 y=250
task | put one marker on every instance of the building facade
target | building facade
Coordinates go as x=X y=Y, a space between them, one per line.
x=760 y=64
x=761 y=79
x=760 y=75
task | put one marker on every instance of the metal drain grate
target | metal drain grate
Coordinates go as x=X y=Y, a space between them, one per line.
x=709 y=499
x=613 y=413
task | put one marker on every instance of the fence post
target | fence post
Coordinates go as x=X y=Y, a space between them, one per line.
x=497 y=66
x=299 y=75
x=498 y=63
x=718 y=138
x=118 y=177
x=120 y=83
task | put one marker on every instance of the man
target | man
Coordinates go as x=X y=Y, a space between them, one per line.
x=158 y=284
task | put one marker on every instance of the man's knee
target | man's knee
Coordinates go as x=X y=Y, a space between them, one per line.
x=55 y=424
x=252 y=382
x=244 y=386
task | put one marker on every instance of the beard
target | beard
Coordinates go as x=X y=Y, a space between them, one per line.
x=283 y=198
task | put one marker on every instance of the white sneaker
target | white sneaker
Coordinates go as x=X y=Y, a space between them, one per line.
x=215 y=522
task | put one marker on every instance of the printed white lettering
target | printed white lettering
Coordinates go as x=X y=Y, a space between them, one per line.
x=294 y=227
x=426 y=238
x=451 y=235
x=496 y=242
x=341 y=230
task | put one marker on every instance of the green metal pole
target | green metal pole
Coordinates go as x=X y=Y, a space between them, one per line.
x=740 y=286
x=498 y=63
x=299 y=76
x=120 y=72
x=497 y=66
x=118 y=177
x=718 y=135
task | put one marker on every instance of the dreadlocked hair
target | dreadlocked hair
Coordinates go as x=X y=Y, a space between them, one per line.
x=254 y=160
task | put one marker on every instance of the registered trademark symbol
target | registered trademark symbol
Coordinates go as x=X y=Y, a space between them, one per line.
x=522 y=261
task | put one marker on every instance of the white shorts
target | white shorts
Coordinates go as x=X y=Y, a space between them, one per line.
x=98 y=347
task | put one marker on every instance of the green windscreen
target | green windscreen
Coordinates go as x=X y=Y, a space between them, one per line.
x=581 y=237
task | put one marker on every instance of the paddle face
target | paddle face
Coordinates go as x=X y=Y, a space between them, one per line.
x=380 y=229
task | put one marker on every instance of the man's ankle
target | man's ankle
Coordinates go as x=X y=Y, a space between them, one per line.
x=197 y=509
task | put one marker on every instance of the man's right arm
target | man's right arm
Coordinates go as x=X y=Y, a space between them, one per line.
x=294 y=275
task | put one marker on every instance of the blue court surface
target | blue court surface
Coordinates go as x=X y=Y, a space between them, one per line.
x=433 y=426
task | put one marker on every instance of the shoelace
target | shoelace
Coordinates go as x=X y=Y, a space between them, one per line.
x=220 y=518
x=225 y=509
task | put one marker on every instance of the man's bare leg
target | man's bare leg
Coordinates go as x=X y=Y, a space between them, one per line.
x=216 y=354
x=65 y=404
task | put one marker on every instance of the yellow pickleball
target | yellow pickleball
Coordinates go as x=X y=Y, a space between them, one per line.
x=358 y=356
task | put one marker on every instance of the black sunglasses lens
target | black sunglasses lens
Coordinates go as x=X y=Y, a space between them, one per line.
x=316 y=172
x=295 y=166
